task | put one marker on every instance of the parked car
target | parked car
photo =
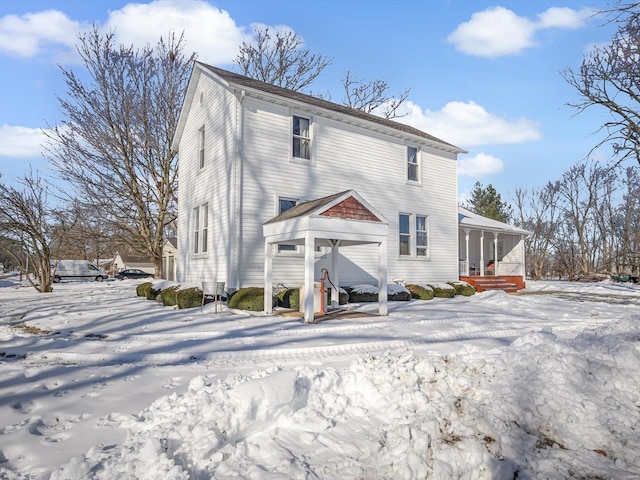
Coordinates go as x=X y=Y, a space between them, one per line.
x=133 y=273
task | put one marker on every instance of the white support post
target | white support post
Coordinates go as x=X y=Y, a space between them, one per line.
x=482 y=252
x=382 y=278
x=335 y=277
x=495 y=253
x=466 y=254
x=268 y=286
x=309 y=260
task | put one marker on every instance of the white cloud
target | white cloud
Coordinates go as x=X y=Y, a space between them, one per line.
x=21 y=142
x=479 y=166
x=467 y=124
x=499 y=31
x=210 y=32
x=36 y=33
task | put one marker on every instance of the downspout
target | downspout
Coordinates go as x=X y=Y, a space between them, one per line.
x=236 y=240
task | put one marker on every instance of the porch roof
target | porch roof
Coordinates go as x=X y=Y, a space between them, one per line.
x=468 y=219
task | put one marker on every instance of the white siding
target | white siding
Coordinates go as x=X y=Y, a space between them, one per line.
x=344 y=157
x=211 y=185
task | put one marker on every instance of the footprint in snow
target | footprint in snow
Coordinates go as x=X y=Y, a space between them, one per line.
x=130 y=378
x=172 y=383
x=25 y=407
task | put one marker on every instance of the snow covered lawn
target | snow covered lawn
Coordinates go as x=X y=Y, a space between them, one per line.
x=98 y=383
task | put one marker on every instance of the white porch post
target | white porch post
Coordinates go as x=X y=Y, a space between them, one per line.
x=466 y=253
x=482 y=252
x=335 y=277
x=382 y=278
x=523 y=262
x=495 y=253
x=309 y=259
x=268 y=286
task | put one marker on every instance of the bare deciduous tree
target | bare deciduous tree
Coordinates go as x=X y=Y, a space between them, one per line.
x=114 y=145
x=28 y=229
x=609 y=77
x=280 y=60
x=369 y=96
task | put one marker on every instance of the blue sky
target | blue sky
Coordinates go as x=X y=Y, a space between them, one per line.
x=484 y=75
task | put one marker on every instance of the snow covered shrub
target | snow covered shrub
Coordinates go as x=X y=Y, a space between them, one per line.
x=397 y=293
x=143 y=289
x=363 y=293
x=189 y=297
x=463 y=288
x=420 y=292
x=443 y=290
x=153 y=292
x=289 y=298
x=250 y=298
x=169 y=296
x=342 y=294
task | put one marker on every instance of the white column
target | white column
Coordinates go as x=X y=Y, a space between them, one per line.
x=466 y=242
x=268 y=286
x=523 y=260
x=382 y=278
x=309 y=260
x=335 y=277
x=495 y=253
x=482 y=252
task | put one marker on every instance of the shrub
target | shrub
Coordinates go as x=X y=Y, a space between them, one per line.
x=420 y=292
x=250 y=298
x=143 y=289
x=363 y=293
x=152 y=293
x=169 y=296
x=189 y=297
x=342 y=295
x=443 y=290
x=289 y=298
x=463 y=288
x=398 y=293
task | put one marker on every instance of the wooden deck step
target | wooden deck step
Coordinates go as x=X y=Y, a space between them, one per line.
x=486 y=283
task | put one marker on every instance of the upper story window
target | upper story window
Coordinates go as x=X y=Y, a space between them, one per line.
x=301 y=138
x=413 y=167
x=413 y=235
x=201 y=147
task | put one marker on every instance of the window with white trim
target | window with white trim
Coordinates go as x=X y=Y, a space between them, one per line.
x=413 y=167
x=201 y=139
x=285 y=204
x=413 y=235
x=201 y=228
x=301 y=138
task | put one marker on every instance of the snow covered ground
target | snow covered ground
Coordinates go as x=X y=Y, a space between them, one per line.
x=98 y=383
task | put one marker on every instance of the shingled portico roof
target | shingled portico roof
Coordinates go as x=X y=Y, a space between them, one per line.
x=234 y=79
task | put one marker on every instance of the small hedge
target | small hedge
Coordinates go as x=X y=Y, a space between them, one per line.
x=420 y=292
x=289 y=298
x=463 y=288
x=342 y=295
x=189 y=298
x=169 y=296
x=443 y=290
x=369 y=293
x=250 y=298
x=152 y=293
x=143 y=289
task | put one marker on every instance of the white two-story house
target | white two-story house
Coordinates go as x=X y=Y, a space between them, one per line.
x=250 y=151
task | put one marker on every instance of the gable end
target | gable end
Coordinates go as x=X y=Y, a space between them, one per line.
x=350 y=208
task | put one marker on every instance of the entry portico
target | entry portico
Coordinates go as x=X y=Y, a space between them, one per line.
x=342 y=219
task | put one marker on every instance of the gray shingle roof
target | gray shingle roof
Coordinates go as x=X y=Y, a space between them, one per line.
x=306 y=208
x=237 y=79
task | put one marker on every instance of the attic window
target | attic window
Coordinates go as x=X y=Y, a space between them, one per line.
x=201 y=97
x=412 y=164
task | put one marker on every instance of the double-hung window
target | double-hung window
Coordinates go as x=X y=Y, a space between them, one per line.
x=201 y=147
x=413 y=235
x=301 y=138
x=413 y=167
x=201 y=229
x=405 y=234
x=285 y=204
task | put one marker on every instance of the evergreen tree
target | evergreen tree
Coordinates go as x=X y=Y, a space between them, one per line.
x=486 y=201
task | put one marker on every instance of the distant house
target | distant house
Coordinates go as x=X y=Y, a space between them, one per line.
x=123 y=262
x=249 y=152
x=169 y=251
